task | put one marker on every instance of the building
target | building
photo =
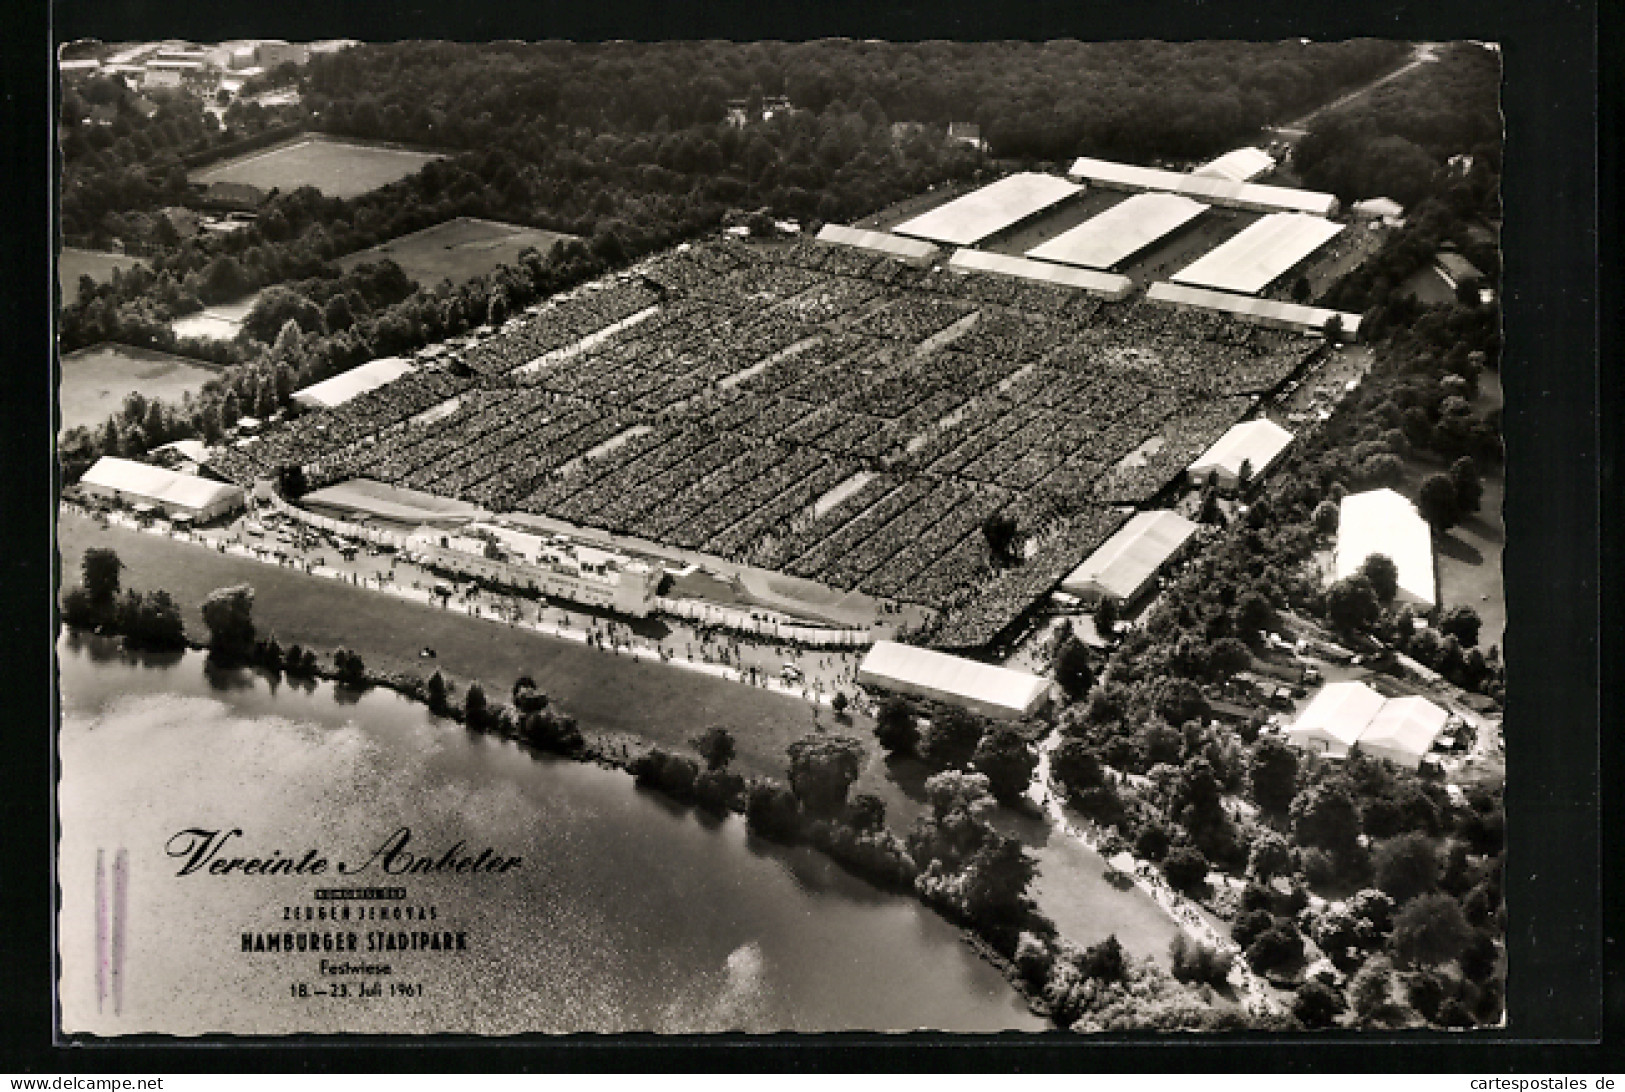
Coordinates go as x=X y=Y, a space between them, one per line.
x=910 y=251
x=554 y=566
x=269 y=54
x=1383 y=522
x=993 y=210
x=1456 y=270
x=1386 y=209
x=1348 y=714
x=1257 y=443
x=79 y=69
x=1241 y=165
x=1126 y=565
x=1260 y=255
x=175 y=494
x=161 y=79
x=1113 y=286
x=1260 y=312
x=997 y=692
x=1214 y=191
x=230 y=197
x=966 y=132
x=1113 y=237
x=346 y=385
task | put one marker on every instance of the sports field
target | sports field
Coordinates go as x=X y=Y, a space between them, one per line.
x=96 y=380
x=98 y=265
x=458 y=250
x=338 y=168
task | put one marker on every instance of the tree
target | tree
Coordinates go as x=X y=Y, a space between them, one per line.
x=1007 y=762
x=1076 y=767
x=1407 y=866
x=229 y=614
x=1272 y=773
x=996 y=880
x=771 y=810
x=1326 y=517
x=291 y=481
x=839 y=703
x=99 y=573
x=1372 y=990
x=999 y=530
x=1324 y=816
x=1276 y=948
x=1316 y=1005
x=1437 y=502
x=1383 y=575
x=1430 y=930
x=474 y=706
x=1271 y=856
x=951 y=739
x=435 y=692
x=1461 y=622
x=866 y=812
x=1301 y=290
x=1469 y=486
x=1106 y=616
x=895 y=727
x=1186 y=869
x=1072 y=670
x=716 y=746
x=1351 y=604
x=1333 y=330
x=351 y=671
x=1195 y=962
x=822 y=769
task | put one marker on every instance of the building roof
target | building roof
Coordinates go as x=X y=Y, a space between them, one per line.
x=1341 y=711
x=970 y=680
x=968 y=220
x=1124 y=562
x=346 y=385
x=880 y=242
x=1220 y=190
x=157 y=485
x=1111 y=285
x=1251 y=307
x=1258 y=443
x=1241 y=165
x=1459 y=268
x=1125 y=229
x=195 y=450
x=1383 y=522
x=1261 y=253
x=1378 y=206
x=1404 y=726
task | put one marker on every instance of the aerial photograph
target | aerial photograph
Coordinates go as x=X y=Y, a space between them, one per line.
x=705 y=537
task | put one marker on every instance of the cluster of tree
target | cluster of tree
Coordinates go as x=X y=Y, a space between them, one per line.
x=144 y=619
x=955 y=739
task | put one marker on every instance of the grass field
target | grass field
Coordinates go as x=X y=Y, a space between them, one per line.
x=458 y=250
x=98 y=265
x=338 y=168
x=96 y=380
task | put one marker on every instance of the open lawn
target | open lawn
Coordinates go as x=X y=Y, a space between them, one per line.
x=458 y=250
x=96 y=380
x=98 y=265
x=337 y=168
x=608 y=694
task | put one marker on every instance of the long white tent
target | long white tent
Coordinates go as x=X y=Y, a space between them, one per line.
x=1260 y=253
x=1241 y=165
x=982 y=688
x=1349 y=714
x=1383 y=522
x=1257 y=443
x=1404 y=729
x=911 y=251
x=1125 y=564
x=1216 y=191
x=967 y=220
x=1122 y=231
x=130 y=482
x=346 y=385
x=1111 y=285
x=1261 y=312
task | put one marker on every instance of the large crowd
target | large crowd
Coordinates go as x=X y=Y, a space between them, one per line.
x=740 y=384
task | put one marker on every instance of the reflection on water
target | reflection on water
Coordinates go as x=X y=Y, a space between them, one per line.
x=627 y=913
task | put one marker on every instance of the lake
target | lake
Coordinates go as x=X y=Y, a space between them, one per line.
x=625 y=913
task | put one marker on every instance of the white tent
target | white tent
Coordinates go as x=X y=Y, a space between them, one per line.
x=1259 y=255
x=1122 y=231
x=1261 y=312
x=1217 y=191
x=346 y=385
x=982 y=688
x=1258 y=443
x=1383 y=522
x=1125 y=564
x=1113 y=286
x=967 y=220
x=1241 y=165
x=1378 y=208
x=136 y=483
x=1403 y=731
x=911 y=251
x=1333 y=722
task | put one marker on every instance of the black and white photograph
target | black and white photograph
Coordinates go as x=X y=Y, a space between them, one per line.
x=752 y=536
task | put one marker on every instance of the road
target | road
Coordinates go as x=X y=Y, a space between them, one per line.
x=1293 y=131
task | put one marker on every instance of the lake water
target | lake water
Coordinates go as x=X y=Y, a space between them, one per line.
x=626 y=913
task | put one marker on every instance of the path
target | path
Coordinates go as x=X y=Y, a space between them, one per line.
x=1423 y=53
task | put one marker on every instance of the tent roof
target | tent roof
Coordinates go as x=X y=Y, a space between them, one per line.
x=1251 y=307
x=346 y=385
x=1247 y=194
x=195 y=450
x=1124 y=229
x=1258 y=442
x=1383 y=522
x=969 y=679
x=157 y=485
x=879 y=241
x=1241 y=165
x=968 y=220
x=1409 y=725
x=1261 y=253
x=1125 y=561
x=1379 y=206
x=981 y=261
x=1341 y=710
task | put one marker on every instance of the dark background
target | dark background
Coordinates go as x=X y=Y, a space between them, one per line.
x=1565 y=989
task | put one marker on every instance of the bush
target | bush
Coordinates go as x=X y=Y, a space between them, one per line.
x=1186 y=869
x=1250 y=925
x=1317 y=1005
x=674 y=775
x=895 y=727
x=1194 y=962
x=1407 y=866
x=1033 y=959
x=771 y=811
x=1277 y=948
